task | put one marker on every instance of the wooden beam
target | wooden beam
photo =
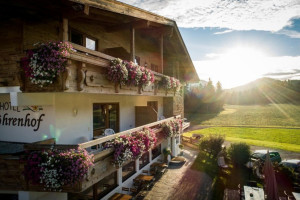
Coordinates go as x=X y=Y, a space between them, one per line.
x=86 y=9
x=65 y=29
x=124 y=26
x=127 y=10
x=161 y=40
x=132 y=44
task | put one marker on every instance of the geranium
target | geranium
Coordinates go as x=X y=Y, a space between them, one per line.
x=117 y=71
x=134 y=73
x=147 y=77
x=42 y=65
x=124 y=72
x=132 y=146
x=170 y=83
x=54 y=168
x=172 y=127
x=122 y=149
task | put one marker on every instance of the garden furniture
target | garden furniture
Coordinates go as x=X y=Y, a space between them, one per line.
x=221 y=162
x=254 y=193
x=120 y=196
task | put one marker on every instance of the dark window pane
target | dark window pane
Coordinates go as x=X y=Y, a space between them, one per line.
x=156 y=151
x=76 y=38
x=144 y=160
x=128 y=170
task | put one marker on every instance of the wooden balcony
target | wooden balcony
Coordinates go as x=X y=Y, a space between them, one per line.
x=86 y=72
x=12 y=166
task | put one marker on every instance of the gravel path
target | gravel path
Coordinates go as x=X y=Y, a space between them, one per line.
x=180 y=183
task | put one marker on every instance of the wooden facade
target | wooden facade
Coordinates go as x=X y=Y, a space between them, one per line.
x=118 y=30
x=12 y=166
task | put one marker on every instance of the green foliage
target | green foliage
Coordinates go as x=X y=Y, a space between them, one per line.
x=212 y=144
x=181 y=146
x=239 y=153
x=166 y=151
x=204 y=98
x=264 y=91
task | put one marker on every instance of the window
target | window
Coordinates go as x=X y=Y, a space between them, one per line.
x=100 y=189
x=83 y=39
x=156 y=151
x=138 y=60
x=90 y=43
x=106 y=185
x=105 y=115
x=144 y=160
x=128 y=170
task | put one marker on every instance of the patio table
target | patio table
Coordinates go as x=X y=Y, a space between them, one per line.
x=120 y=196
x=254 y=193
x=143 y=178
x=296 y=195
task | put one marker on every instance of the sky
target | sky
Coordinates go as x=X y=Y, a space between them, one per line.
x=236 y=41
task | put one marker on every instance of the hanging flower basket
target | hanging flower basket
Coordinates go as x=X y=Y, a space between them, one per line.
x=131 y=147
x=43 y=65
x=172 y=127
x=130 y=74
x=55 y=169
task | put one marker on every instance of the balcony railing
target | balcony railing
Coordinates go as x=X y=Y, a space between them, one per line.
x=86 y=72
x=12 y=166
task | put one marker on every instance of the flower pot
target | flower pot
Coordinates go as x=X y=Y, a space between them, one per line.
x=117 y=88
x=140 y=88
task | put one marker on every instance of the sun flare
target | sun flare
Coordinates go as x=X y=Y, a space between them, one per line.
x=236 y=66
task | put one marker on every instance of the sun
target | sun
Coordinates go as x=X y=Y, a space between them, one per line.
x=239 y=65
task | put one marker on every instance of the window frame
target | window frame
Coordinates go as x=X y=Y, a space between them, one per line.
x=127 y=176
x=143 y=164
x=84 y=36
x=96 y=132
x=156 y=155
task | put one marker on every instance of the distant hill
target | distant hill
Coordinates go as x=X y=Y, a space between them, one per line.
x=264 y=91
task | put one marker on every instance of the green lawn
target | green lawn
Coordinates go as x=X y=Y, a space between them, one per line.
x=245 y=124
x=286 y=139
x=273 y=115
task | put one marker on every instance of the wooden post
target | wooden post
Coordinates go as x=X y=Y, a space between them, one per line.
x=132 y=44
x=162 y=52
x=65 y=29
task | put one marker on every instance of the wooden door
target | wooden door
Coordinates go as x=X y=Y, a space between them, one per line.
x=144 y=115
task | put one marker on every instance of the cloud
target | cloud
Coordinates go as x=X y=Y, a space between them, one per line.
x=289 y=73
x=266 y=15
x=290 y=33
x=235 y=72
x=223 y=32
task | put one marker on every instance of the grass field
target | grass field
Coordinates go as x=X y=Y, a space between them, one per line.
x=287 y=139
x=273 y=115
x=245 y=124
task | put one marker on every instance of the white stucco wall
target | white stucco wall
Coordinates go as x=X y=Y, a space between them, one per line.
x=61 y=122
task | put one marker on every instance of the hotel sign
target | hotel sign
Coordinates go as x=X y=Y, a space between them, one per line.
x=25 y=123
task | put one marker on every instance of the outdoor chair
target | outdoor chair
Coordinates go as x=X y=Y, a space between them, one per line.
x=109 y=131
x=221 y=162
x=126 y=189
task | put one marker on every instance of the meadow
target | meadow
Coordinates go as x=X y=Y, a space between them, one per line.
x=272 y=115
x=275 y=126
